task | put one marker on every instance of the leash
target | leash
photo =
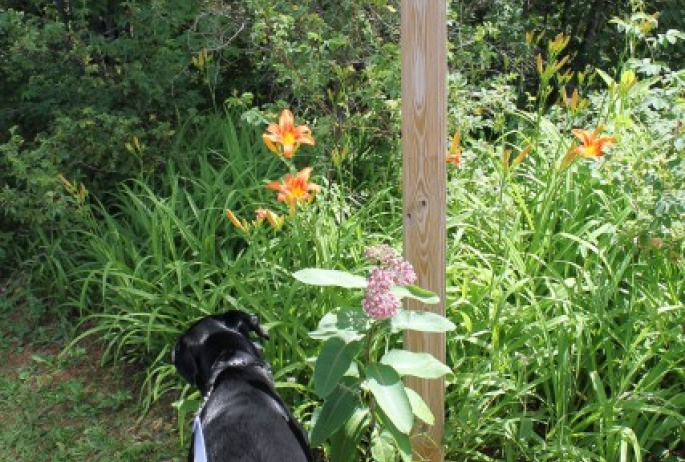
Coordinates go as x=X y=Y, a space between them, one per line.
x=199 y=449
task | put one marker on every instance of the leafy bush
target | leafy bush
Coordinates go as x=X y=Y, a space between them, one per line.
x=568 y=347
x=94 y=97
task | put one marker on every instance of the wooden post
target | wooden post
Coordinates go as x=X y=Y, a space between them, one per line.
x=424 y=151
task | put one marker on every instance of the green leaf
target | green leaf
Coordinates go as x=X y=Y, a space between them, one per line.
x=334 y=360
x=387 y=388
x=345 y=442
x=608 y=80
x=347 y=323
x=422 y=365
x=337 y=409
x=383 y=447
x=423 y=321
x=417 y=293
x=188 y=405
x=402 y=440
x=328 y=278
x=419 y=407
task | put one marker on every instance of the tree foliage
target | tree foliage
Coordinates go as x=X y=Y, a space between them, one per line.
x=95 y=90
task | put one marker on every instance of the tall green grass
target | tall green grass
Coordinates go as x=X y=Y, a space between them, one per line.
x=572 y=340
x=164 y=255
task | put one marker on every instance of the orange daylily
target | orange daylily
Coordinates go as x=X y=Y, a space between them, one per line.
x=274 y=220
x=454 y=156
x=295 y=188
x=591 y=147
x=287 y=135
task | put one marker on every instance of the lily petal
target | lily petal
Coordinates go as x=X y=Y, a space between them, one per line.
x=269 y=141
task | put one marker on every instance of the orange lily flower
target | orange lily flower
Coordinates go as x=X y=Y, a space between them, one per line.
x=287 y=135
x=506 y=155
x=295 y=188
x=591 y=147
x=454 y=156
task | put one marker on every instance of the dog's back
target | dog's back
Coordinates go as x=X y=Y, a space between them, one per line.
x=243 y=421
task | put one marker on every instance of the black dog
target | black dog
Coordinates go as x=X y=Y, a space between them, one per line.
x=243 y=419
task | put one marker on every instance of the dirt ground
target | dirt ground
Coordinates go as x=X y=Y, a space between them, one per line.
x=57 y=407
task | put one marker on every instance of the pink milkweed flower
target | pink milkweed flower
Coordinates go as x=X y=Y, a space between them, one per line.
x=379 y=302
x=389 y=258
x=380 y=305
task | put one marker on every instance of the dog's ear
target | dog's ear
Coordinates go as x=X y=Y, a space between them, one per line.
x=252 y=321
x=182 y=358
x=243 y=323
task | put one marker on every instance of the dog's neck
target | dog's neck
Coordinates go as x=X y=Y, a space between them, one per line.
x=252 y=370
x=246 y=363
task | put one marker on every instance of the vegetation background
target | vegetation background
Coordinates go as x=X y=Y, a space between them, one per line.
x=128 y=128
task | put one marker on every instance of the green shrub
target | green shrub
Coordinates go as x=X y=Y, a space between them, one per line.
x=94 y=97
x=569 y=347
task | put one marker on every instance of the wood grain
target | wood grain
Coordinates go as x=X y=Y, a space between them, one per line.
x=424 y=149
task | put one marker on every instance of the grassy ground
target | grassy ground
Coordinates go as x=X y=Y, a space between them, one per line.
x=71 y=408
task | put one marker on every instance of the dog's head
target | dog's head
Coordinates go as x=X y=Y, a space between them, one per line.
x=225 y=336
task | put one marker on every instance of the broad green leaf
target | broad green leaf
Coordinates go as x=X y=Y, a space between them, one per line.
x=347 y=323
x=345 y=442
x=419 y=407
x=333 y=362
x=387 y=388
x=422 y=321
x=383 y=447
x=402 y=440
x=328 y=278
x=337 y=409
x=188 y=405
x=422 y=365
x=415 y=292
